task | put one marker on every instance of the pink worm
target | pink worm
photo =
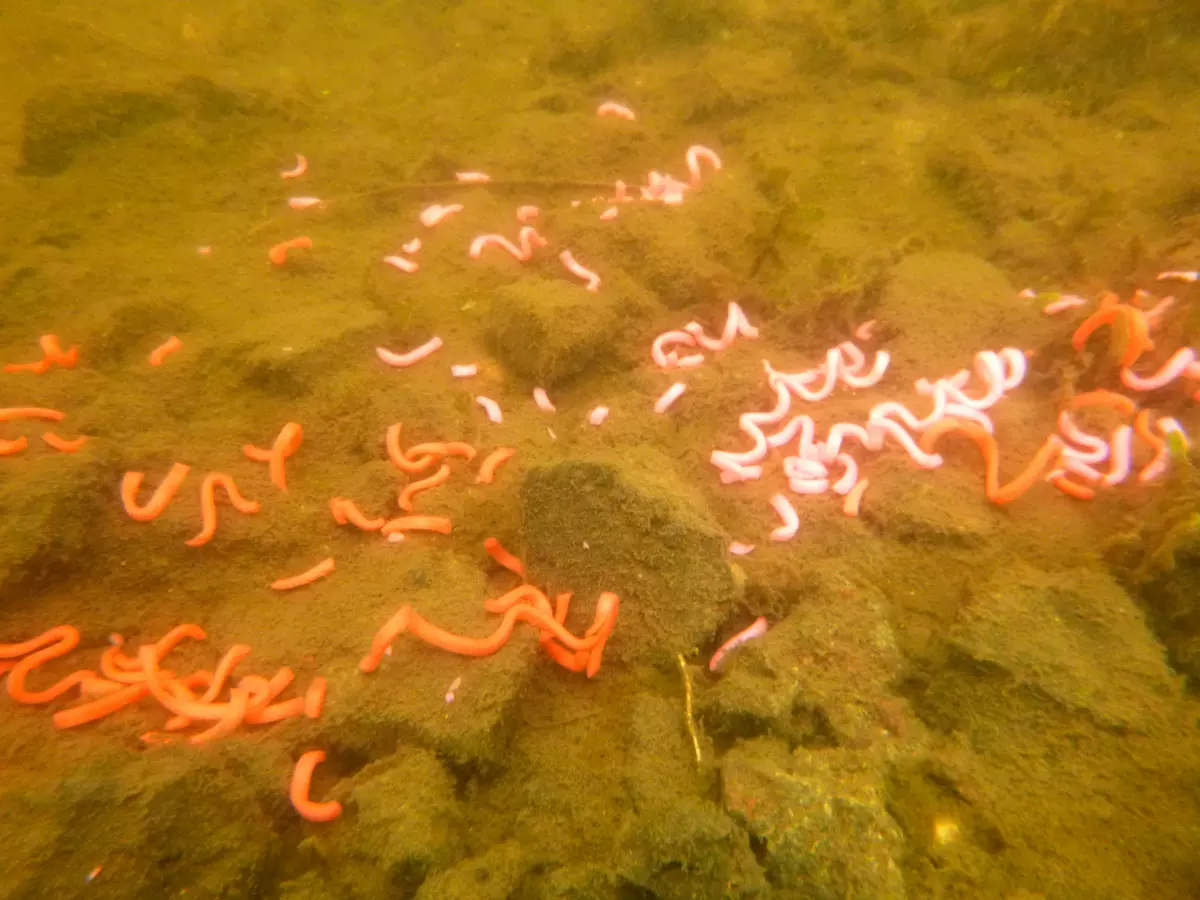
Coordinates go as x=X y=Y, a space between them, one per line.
x=492 y=408
x=542 y=400
x=580 y=271
x=670 y=360
x=806 y=486
x=403 y=263
x=300 y=168
x=1122 y=455
x=697 y=154
x=757 y=629
x=791 y=521
x=673 y=393
x=1017 y=363
x=855 y=381
x=1070 y=301
x=1172 y=369
x=839 y=432
x=400 y=360
x=849 y=477
x=881 y=428
x=619 y=110
x=433 y=215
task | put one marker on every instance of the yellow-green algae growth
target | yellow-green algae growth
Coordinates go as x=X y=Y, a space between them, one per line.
x=955 y=700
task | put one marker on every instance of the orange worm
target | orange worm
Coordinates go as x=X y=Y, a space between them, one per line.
x=61 y=444
x=601 y=630
x=854 y=498
x=53 y=353
x=487 y=469
x=276 y=685
x=100 y=707
x=278 y=253
x=232 y=657
x=8 y=448
x=485 y=646
x=168 y=641
x=1072 y=488
x=234 y=714
x=441 y=476
x=314 y=698
x=42 y=365
x=399 y=460
x=575 y=661
x=301 y=784
x=174 y=702
x=391 y=629
x=208 y=505
x=163 y=494
x=165 y=349
x=30 y=412
x=106 y=705
x=997 y=493
x=12 y=651
x=1119 y=402
x=502 y=556
x=1139 y=331
x=345 y=511
x=111 y=669
x=526 y=593
x=285 y=445
x=320 y=570
x=277 y=712
x=441 y=448
x=63 y=640
x=572 y=661
x=1141 y=425
x=440 y=524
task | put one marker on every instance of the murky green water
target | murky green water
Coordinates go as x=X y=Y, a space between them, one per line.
x=955 y=699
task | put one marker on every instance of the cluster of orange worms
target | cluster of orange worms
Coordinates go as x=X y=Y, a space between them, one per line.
x=522 y=604
x=414 y=461
x=16 y=445
x=124 y=680
x=1135 y=324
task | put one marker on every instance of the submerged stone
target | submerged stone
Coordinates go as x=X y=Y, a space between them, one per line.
x=591 y=527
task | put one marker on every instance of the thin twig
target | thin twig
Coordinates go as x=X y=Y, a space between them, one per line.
x=417 y=187
x=687 y=706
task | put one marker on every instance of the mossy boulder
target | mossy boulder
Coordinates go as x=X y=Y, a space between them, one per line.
x=548 y=331
x=635 y=530
x=821 y=819
x=941 y=308
x=406 y=825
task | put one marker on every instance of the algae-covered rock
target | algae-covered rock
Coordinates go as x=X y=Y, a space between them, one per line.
x=50 y=510
x=493 y=875
x=1075 y=637
x=822 y=818
x=941 y=306
x=591 y=527
x=792 y=681
x=408 y=820
x=679 y=846
x=549 y=330
x=160 y=825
